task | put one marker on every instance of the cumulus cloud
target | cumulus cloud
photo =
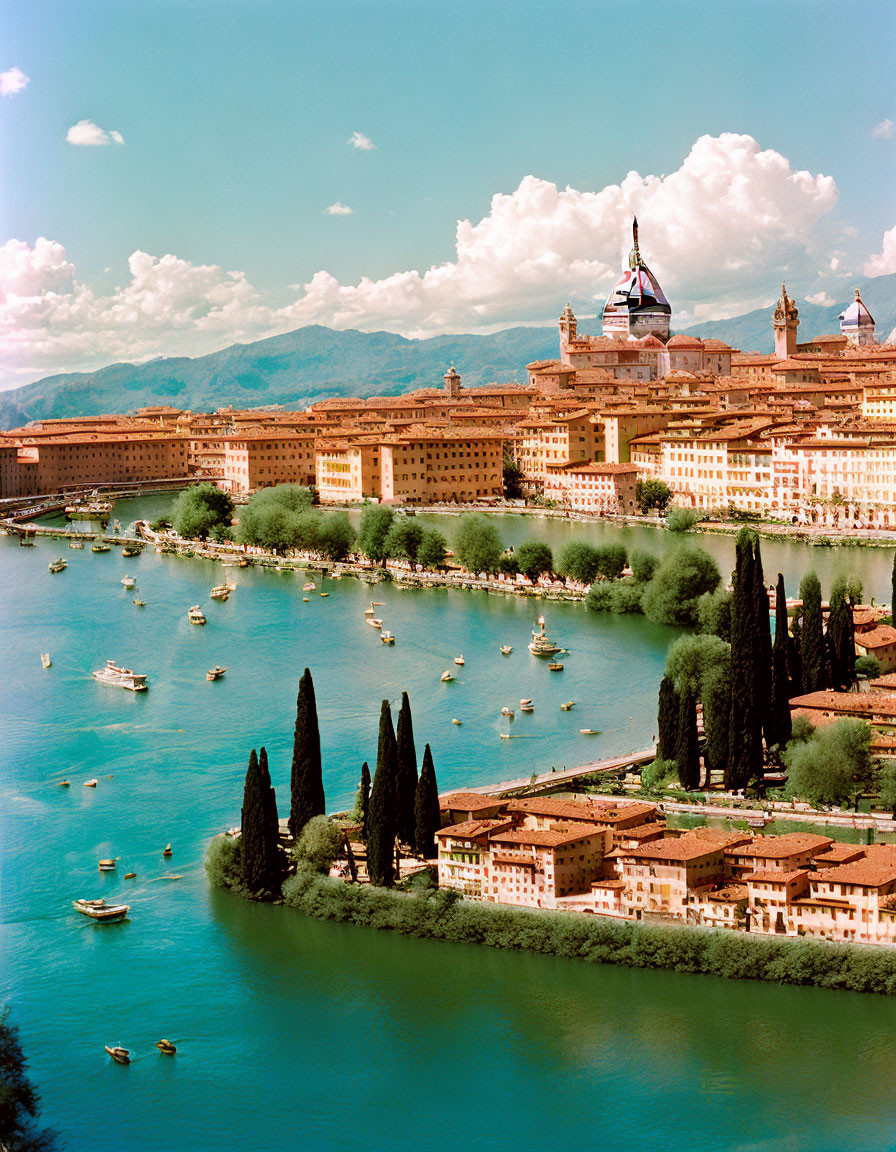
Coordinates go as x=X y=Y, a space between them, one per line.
x=720 y=232
x=87 y=134
x=361 y=142
x=338 y=209
x=883 y=131
x=12 y=82
x=883 y=262
x=820 y=298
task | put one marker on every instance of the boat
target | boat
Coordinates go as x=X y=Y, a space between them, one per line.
x=196 y=616
x=90 y=783
x=100 y=910
x=121 y=677
x=88 y=510
x=525 y=700
x=166 y=1046
x=140 y=603
x=507 y=712
x=166 y=851
x=128 y=581
x=374 y=623
x=555 y=666
x=374 y=604
x=59 y=565
x=63 y=784
x=76 y=543
x=541 y=644
x=530 y=707
x=387 y=637
x=25 y=541
x=567 y=706
x=309 y=587
x=220 y=592
x=457 y=722
x=304 y=599
x=215 y=673
x=589 y=731
x=131 y=550
x=243 y=563
x=447 y=676
x=506 y=736
x=130 y=875
x=99 y=546
x=506 y=649
x=45 y=659
x=756 y=821
x=325 y=593
x=459 y=660
x=119 y=1055
x=107 y=865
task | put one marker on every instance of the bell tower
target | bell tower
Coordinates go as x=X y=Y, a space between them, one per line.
x=452 y=383
x=568 y=328
x=785 y=321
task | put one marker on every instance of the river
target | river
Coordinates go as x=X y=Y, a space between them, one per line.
x=293 y=1032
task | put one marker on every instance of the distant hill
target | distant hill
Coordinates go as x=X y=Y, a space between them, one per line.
x=753 y=331
x=306 y=365
x=294 y=369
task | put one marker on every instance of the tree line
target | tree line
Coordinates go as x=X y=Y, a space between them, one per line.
x=398 y=809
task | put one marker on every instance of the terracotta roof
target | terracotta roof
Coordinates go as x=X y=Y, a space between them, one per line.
x=779 y=847
x=856 y=703
x=469 y=801
x=679 y=849
x=766 y=877
x=594 y=810
x=470 y=829
x=547 y=837
x=880 y=637
x=862 y=873
x=838 y=853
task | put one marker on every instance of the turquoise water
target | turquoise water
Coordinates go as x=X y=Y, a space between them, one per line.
x=297 y=1033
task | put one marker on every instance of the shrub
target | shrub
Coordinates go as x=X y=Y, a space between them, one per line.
x=683 y=519
x=684 y=575
x=477 y=543
x=432 y=548
x=578 y=561
x=868 y=666
x=223 y=863
x=534 y=559
x=320 y=843
x=643 y=565
x=199 y=509
x=657 y=772
x=611 y=559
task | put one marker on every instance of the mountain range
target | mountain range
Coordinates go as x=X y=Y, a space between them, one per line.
x=299 y=367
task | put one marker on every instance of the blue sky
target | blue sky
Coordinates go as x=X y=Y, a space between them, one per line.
x=235 y=120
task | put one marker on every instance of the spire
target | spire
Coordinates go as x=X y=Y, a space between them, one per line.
x=634 y=259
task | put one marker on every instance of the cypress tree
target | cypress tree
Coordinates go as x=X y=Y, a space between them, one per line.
x=780 y=702
x=381 y=817
x=745 y=727
x=427 y=817
x=795 y=658
x=273 y=857
x=893 y=591
x=841 y=637
x=762 y=656
x=814 y=654
x=687 y=753
x=307 y=775
x=716 y=699
x=667 y=720
x=254 y=829
x=364 y=798
x=406 y=782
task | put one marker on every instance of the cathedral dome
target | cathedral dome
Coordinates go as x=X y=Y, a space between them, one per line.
x=636 y=304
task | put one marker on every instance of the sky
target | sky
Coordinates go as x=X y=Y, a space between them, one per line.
x=181 y=175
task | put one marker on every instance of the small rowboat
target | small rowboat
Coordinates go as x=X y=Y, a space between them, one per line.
x=131 y=550
x=128 y=582
x=555 y=666
x=166 y=851
x=108 y=865
x=130 y=875
x=309 y=587
x=447 y=676
x=76 y=543
x=215 y=673
x=166 y=1046
x=387 y=638
x=90 y=783
x=196 y=615
x=507 y=712
x=45 y=659
x=527 y=707
x=374 y=623
x=325 y=593
x=567 y=706
x=64 y=784
x=100 y=547
x=100 y=910
x=119 y=1055
x=457 y=722
x=589 y=731
x=525 y=700
x=506 y=649
x=304 y=599
x=140 y=603
x=58 y=565
x=459 y=660
x=220 y=592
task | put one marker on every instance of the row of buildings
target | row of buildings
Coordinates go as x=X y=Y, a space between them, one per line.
x=807 y=432
x=617 y=858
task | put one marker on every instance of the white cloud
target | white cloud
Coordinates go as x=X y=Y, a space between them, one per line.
x=820 y=298
x=87 y=134
x=720 y=233
x=883 y=262
x=12 y=82
x=338 y=209
x=360 y=141
x=883 y=131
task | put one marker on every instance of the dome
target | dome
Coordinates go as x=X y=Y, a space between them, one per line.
x=856 y=315
x=637 y=288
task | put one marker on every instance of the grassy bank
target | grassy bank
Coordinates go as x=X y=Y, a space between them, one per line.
x=716 y=952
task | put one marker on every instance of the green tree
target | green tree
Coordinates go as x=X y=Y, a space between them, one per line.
x=431 y=550
x=687 y=754
x=534 y=559
x=508 y=564
x=427 y=817
x=667 y=720
x=684 y=574
x=714 y=613
x=715 y=695
x=833 y=766
x=813 y=648
x=657 y=773
x=780 y=687
x=403 y=539
x=701 y=666
x=272 y=822
x=199 y=509
x=868 y=666
x=513 y=476
x=745 y=724
x=406 y=779
x=320 y=845
x=611 y=560
x=578 y=561
x=643 y=565
x=259 y=838
x=362 y=804
x=477 y=543
x=762 y=657
x=795 y=657
x=307 y=787
x=373 y=532
x=19 y=1101
x=841 y=637
x=652 y=494
x=893 y=590
x=335 y=537
x=381 y=818
x=682 y=519
x=886 y=783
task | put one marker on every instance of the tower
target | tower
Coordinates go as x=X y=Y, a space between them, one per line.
x=857 y=323
x=452 y=383
x=568 y=328
x=785 y=320
x=637 y=305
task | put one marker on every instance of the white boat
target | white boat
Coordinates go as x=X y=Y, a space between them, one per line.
x=507 y=712
x=387 y=637
x=567 y=706
x=140 y=603
x=525 y=700
x=309 y=587
x=121 y=677
x=374 y=623
x=541 y=644
x=506 y=649
x=128 y=581
x=459 y=660
x=196 y=616
x=59 y=565
x=108 y=865
x=90 y=784
x=76 y=543
x=220 y=592
x=457 y=722
x=100 y=910
x=530 y=707
x=215 y=673
x=447 y=676
x=45 y=659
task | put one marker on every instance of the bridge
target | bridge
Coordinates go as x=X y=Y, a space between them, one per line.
x=544 y=781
